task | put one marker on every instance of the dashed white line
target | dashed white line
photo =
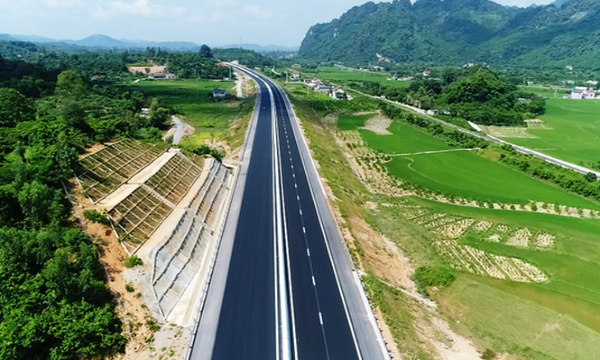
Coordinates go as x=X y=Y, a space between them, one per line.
x=314 y=282
x=308 y=251
x=320 y=318
x=304 y=229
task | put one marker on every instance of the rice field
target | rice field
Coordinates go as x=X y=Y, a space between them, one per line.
x=470 y=176
x=573 y=131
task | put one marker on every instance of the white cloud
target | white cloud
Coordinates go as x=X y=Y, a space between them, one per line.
x=138 y=8
x=62 y=4
x=257 y=13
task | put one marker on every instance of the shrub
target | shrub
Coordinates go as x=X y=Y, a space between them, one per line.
x=96 y=217
x=133 y=261
x=438 y=276
x=488 y=354
x=129 y=288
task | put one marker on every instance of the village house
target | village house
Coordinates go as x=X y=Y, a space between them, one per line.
x=582 y=93
x=314 y=83
x=326 y=90
x=426 y=73
x=338 y=93
x=296 y=75
x=162 y=76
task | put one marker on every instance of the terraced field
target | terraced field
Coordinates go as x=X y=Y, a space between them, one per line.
x=175 y=178
x=138 y=216
x=103 y=172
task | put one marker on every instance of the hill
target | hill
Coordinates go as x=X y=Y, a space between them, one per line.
x=461 y=31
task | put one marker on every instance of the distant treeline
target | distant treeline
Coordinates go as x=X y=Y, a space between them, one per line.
x=475 y=94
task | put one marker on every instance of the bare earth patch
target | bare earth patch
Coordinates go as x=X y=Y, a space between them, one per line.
x=536 y=124
x=507 y=132
x=378 y=124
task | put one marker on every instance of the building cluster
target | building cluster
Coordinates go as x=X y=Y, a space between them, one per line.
x=582 y=93
x=162 y=76
x=334 y=92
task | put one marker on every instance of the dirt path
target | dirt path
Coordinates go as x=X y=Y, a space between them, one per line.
x=433 y=152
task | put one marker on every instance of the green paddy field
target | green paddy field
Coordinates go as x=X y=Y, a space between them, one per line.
x=572 y=134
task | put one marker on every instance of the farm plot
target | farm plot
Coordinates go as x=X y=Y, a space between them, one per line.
x=138 y=216
x=467 y=258
x=103 y=172
x=470 y=176
x=175 y=178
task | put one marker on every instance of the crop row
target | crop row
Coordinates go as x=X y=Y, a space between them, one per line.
x=479 y=262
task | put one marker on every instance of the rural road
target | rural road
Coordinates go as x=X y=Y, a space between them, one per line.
x=283 y=286
x=523 y=150
x=178 y=130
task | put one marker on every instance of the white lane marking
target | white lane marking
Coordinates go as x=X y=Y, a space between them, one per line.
x=300 y=212
x=304 y=229
x=282 y=302
x=308 y=251
x=320 y=318
x=314 y=282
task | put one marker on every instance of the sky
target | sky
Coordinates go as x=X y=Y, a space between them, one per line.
x=212 y=22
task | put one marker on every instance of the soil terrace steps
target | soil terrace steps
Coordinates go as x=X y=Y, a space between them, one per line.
x=180 y=258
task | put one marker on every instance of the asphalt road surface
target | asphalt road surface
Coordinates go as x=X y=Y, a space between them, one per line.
x=283 y=287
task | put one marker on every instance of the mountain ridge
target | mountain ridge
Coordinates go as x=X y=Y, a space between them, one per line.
x=460 y=31
x=107 y=42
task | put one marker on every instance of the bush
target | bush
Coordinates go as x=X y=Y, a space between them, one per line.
x=488 y=354
x=438 y=276
x=133 y=261
x=205 y=150
x=96 y=217
x=129 y=288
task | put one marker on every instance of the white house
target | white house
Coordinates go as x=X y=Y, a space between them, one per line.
x=338 y=93
x=296 y=75
x=581 y=94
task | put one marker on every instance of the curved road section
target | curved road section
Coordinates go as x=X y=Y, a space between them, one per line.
x=283 y=286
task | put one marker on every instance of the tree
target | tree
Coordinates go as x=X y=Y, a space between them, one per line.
x=590 y=177
x=206 y=52
x=41 y=204
x=15 y=108
x=70 y=86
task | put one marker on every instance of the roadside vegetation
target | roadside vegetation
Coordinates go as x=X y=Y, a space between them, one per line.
x=54 y=300
x=471 y=259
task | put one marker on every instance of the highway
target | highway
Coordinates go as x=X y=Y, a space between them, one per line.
x=283 y=286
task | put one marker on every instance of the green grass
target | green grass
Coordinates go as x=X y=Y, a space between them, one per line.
x=352 y=122
x=468 y=175
x=574 y=133
x=507 y=323
x=191 y=97
x=404 y=139
x=573 y=265
x=339 y=75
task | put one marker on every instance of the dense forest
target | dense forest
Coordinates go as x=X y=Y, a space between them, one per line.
x=474 y=93
x=456 y=32
x=54 y=303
